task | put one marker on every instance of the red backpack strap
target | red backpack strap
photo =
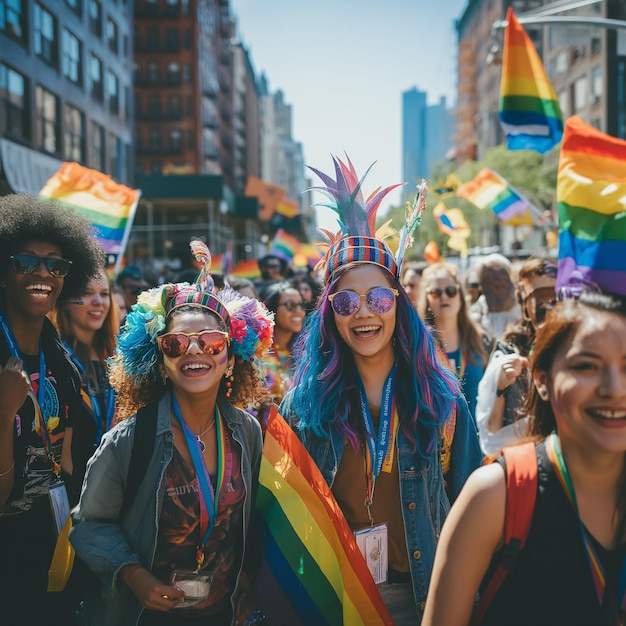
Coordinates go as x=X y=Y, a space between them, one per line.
x=521 y=494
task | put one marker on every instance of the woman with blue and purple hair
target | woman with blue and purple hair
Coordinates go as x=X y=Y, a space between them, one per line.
x=375 y=406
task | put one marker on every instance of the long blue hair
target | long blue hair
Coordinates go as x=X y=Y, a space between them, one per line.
x=326 y=387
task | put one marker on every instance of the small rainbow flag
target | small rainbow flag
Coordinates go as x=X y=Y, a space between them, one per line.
x=287 y=208
x=489 y=190
x=452 y=222
x=108 y=205
x=591 y=199
x=246 y=269
x=284 y=245
x=529 y=109
x=312 y=572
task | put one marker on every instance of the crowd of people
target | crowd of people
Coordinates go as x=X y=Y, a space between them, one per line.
x=142 y=409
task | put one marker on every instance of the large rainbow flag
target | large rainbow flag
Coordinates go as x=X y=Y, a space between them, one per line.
x=489 y=190
x=312 y=572
x=591 y=199
x=529 y=109
x=108 y=205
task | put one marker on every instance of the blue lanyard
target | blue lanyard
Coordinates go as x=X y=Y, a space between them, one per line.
x=15 y=351
x=379 y=445
x=96 y=409
x=208 y=501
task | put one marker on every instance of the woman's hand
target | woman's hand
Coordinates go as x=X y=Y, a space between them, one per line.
x=512 y=367
x=150 y=591
x=14 y=386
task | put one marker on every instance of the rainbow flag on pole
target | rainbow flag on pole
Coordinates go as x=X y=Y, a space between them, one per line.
x=591 y=199
x=284 y=245
x=489 y=190
x=529 y=109
x=312 y=573
x=108 y=205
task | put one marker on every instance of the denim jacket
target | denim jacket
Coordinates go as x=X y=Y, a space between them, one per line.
x=424 y=495
x=106 y=543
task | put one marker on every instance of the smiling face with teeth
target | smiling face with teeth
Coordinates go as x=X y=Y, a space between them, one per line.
x=34 y=295
x=194 y=372
x=369 y=335
x=586 y=384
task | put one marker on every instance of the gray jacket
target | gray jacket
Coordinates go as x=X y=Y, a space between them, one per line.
x=106 y=543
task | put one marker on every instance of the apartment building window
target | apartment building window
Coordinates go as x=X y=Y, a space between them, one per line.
x=125 y=46
x=74 y=136
x=72 y=62
x=596 y=45
x=111 y=33
x=114 y=155
x=176 y=140
x=184 y=8
x=172 y=40
x=173 y=73
x=580 y=94
x=95 y=17
x=47 y=124
x=564 y=103
x=44 y=35
x=113 y=92
x=174 y=106
x=561 y=62
x=152 y=38
x=188 y=105
x=75 y=5
x=171 y=8
x=12 y=18
x=596 y=84
x=136 y=73
x=190 y=140
x=95 y=77
x=154 y=106
x=187 y=39
x=154 y=139
x=153 y=72
x=96 y=146
x=186 y=73
x=13 y=104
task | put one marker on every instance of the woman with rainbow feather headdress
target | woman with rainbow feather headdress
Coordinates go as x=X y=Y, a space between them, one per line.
x=174 y=553
x=381 y=415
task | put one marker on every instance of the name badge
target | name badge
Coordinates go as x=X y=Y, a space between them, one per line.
x=372 y=543
x=59 y=503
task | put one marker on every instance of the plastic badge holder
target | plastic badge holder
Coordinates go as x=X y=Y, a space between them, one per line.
x=196 y=586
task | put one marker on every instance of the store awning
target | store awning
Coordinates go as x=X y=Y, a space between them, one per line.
x=26 y=170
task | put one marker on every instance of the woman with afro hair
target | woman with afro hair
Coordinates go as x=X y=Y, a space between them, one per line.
x=47 y=256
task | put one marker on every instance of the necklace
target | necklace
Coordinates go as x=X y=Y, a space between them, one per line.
x=198 y=437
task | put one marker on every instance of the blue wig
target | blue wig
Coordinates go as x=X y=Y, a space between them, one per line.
x=327 y=388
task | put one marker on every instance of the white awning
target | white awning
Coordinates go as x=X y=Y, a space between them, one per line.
x=26 y=170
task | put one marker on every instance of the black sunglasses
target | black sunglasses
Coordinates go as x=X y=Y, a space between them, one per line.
x=28 y=263
x=290 y=305
x=473 y=285
x=450 y=291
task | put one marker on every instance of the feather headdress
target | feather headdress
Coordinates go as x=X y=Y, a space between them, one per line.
x=250 y=325
x=358 y=240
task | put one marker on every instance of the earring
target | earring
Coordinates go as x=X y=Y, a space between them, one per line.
x=543 y=392
x=229 y=381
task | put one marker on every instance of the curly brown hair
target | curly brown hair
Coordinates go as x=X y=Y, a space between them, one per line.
x=247 y=386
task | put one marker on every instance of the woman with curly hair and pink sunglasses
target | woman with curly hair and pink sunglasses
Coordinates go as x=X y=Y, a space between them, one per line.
x=175 y=552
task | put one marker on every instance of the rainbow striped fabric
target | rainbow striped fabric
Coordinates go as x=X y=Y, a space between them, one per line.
x=108 y=205
x=312 y=572
x=591 y=199
x=284 y=245
x=246 y=269
x=489 y=190
x=529 y=109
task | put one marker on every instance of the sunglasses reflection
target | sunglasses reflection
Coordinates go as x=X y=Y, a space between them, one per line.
x=211 y=342
x=378 y=299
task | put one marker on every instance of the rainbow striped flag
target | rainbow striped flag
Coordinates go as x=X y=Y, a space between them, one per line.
x=591 y=199
x=246 y=269
x=108 y=205
x=489 y=190
x=452 y=222
x=287 y=208
x=529 y=109
x=284 y=245
x=312 y=572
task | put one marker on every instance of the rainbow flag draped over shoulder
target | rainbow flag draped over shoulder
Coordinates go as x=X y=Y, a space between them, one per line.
x=312 y=573
x=489 y=190
x=108 y=205
x=591 y=199
x=529 y=109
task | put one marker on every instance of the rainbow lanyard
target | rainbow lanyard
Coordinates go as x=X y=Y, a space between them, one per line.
x=92 y=400
x=209 y=503
x=553 y=448
x=40 y=424
x=379 y=450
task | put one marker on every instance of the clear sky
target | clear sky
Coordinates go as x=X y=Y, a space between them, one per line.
x=343 y=65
